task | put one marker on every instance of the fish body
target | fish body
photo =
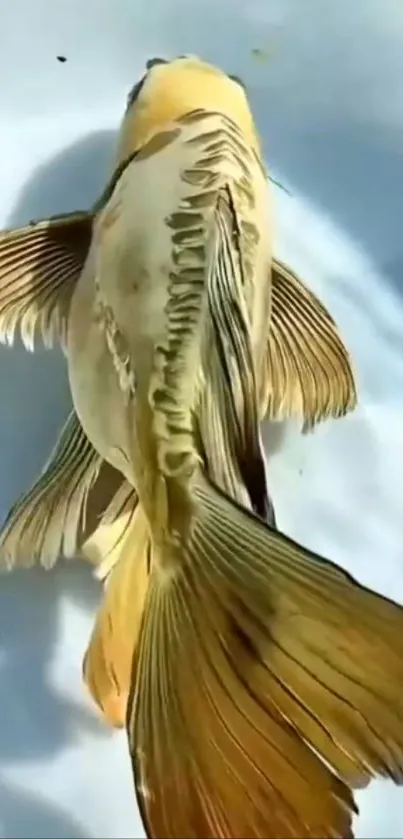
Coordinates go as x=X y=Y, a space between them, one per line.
x=259 y=683
x=54 y=284
x=227 y=647
x=146 y=286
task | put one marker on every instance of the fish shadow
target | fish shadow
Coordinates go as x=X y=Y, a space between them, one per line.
x=26 y=815
x=37 y=720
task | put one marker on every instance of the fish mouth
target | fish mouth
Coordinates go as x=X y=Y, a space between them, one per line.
x=153 y=61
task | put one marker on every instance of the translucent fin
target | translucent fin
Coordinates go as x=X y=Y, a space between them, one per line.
x=39 y=267
x=104 y=544
x=107 y=664
x=254 y=649
x=50 y=519
x=309 y=370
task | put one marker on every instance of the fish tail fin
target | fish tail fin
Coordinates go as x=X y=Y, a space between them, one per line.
x=107 y=666
x=267 y=683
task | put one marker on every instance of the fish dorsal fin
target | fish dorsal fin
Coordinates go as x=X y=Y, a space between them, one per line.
x=309 y=369
x=228 y=419
x=39 y=267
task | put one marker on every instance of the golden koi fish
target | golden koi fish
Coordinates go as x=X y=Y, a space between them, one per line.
x=74 y=507
x=260 y=683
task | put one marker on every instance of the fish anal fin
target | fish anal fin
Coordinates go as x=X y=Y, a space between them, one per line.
x=103 y=543
x=107 y=667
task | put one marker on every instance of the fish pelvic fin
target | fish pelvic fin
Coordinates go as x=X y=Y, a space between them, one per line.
x=266 y=685
x=55 y=515
x=309 y=370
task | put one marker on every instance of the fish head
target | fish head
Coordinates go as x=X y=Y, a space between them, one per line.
x=170 y=89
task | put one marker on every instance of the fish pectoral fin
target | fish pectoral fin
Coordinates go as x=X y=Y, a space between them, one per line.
x=49 y=520
x=309 y=372
x=107 y=667
x=39 y=267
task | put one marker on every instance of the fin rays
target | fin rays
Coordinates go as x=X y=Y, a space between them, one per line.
x=39 y=267
x=309 y=371
x=46 y=522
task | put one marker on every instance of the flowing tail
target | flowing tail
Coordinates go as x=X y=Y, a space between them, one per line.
x=255 y=659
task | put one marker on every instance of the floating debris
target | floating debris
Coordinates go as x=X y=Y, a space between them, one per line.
x=260 y=54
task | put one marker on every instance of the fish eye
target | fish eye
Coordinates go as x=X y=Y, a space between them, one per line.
x=135 y=91
x=153 y=61
x=238 y=81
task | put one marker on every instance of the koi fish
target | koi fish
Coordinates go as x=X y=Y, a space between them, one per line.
x=80 y=505
x=261 y=684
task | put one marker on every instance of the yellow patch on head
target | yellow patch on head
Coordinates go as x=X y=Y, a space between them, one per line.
x=176 y=88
